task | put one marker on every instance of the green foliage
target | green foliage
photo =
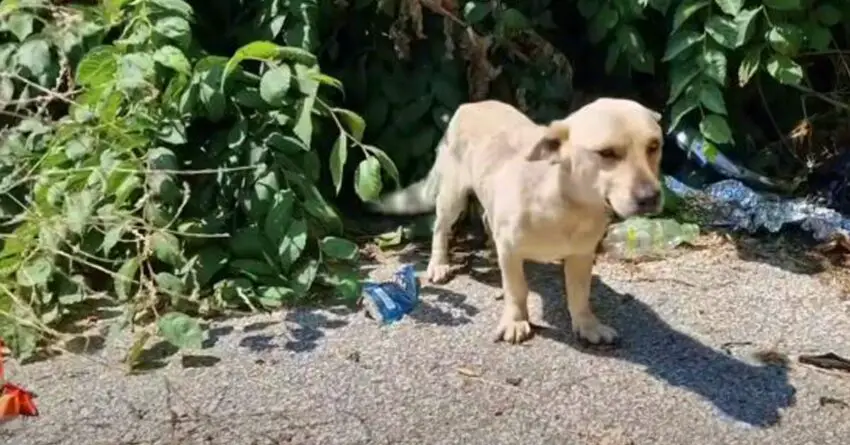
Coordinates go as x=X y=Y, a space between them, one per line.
x=188 y=158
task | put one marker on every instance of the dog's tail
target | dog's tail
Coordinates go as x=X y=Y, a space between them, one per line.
x=421 y=196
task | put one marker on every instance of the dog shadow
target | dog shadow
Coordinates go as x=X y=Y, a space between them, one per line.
x=753 y=394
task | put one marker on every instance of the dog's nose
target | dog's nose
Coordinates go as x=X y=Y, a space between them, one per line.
x=647 y=197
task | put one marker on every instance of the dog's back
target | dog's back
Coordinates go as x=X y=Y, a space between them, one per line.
x=473 y=125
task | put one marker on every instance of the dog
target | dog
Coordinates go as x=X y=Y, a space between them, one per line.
x=548 y=192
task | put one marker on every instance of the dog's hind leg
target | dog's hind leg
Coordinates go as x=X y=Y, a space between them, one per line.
x=451 y=201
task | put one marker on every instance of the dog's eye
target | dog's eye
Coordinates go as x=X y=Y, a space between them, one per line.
x=653 y=148
x=608 y=153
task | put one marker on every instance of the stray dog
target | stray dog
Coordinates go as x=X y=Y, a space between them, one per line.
x=547 y=191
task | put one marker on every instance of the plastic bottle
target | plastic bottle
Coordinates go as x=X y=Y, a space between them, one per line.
x=639 y=236
x=389 y=301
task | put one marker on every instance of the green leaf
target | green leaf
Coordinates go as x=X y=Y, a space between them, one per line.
x=367 y=179
x=179 y=6
x=723 y=30
x=274 y=85
x=513 y=19
x=339 y=248
x=181 y=330
x=785 y=39
x=265 y=51
x=35 y=273
x=818 y=37
x=173 y=58
x=209 y=262
x=166 y=248
x=34 y=55
x=784 y=5
x=475 y=11
x=125 y=281
x=20 y=24
x=731 y=7
x=303 y=276
x=600 y=24
x=292 y=243
x=354 y=123
x=828 y=14
x=274 y=296
x=711 y=97
x=169 y=283
x=686 y=10
x=339 y=155
x=679 y=42
x=78 y=209
x=784 y=69
x=7 y=90
x=715 y=128
x=714 y=64
x=681 y=75
x=612 y=57
x=387 y=164
x=412 y=113
x=175 y=28
x=247 y=242
x=687 y=103
x=749 y=65
x=279 y=216
x=744 y=22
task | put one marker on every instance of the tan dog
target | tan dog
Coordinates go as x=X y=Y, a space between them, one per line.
x=547 y=194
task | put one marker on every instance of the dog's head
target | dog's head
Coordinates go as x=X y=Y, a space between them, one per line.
x=612 y=149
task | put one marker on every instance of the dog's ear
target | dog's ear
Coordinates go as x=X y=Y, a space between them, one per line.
x=549 y=146
x=655 y=115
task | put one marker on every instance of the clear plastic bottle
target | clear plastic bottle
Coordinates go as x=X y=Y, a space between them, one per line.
x=641 y=237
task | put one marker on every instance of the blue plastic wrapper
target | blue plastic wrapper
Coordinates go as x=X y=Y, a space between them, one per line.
x=734 y=205
x=389 y=301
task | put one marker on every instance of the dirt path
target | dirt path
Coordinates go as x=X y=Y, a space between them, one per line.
x=697 y=330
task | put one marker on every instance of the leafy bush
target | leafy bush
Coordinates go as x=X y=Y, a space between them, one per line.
x=188 y=158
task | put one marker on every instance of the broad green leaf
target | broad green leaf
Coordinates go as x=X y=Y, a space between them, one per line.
x=353 y=122
x=715 y=128
x=20 y=24
x=7 y=90
x=588 y=8
x=818 y=37
x=286 y=144
x=731 y=7
x=274 y=296
x=169 y=284
x=367 y=179
x=387 y=164
x=686 y=10
x=475 y=11
x=279 y=216
x=784 y=5
x=612 y=56
x=784 y=69
x=785 y=39
x=35 y=273
x=292 y=243
x=179 y=6
x=828 y=14
x=681 y=75
x=714 y=64
x=161 y=158
x=274 y=85
x=125 y=281
x=745 y=22
x=166 y=248
x=339 y=248
x=514 y=20
x=339 y=155
x=247 y=242
x=34 y=55
x=600 y=24
x=723 y=30
x=175 y=28
x=173 y=57
x=268 y=51
x=711 y=97
x=634 y=47
x=687 y=103
x=303 y=275
x=209 y=262
x=679 y=42
x=181 y=330
x=78 y=209
x=135 y=71
x=749 y=65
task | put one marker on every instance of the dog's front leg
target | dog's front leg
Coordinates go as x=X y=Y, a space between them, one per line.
x=514 y=326
x=578 y=272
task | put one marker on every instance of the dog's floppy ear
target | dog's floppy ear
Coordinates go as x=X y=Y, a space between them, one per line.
x=655 y=115
x=549 y=146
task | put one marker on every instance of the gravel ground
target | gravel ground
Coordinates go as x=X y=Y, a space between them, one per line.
x=705 y=334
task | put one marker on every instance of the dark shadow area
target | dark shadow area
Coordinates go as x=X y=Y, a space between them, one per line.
x=747 y=393
x=789 y=250
x=258 y=343
x=214 y=334
x=85 y=344
x=82 y=316
x=199 y=361
x=259 y=326
x=155 y=357
x=309 y=324
x=443 y=308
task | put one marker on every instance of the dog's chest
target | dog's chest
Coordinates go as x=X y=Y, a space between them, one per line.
x=551 y=239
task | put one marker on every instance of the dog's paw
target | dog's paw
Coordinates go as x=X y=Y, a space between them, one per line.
x=594 y=332
x=438 y=272
x=513 y=331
